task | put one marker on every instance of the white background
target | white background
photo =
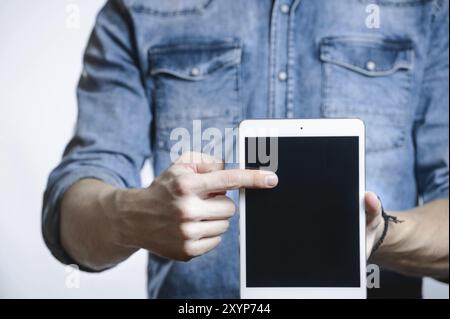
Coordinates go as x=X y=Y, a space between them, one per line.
x=40 y=61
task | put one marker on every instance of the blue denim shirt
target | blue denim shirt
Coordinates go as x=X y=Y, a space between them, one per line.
x=154 y=65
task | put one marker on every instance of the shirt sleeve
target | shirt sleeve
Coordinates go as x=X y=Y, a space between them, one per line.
x=112 y=134
x=431 y=128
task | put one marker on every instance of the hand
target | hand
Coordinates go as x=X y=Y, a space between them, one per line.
x=374 y=221
x=185 y=211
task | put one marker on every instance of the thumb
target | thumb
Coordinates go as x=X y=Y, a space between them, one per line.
x=373 y=207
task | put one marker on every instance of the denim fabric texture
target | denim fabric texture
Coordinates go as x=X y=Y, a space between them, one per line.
x=154 y=65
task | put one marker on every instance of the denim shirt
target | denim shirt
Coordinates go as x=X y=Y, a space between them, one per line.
x=154 y=65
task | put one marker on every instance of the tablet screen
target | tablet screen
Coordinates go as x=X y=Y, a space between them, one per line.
x=305 y=232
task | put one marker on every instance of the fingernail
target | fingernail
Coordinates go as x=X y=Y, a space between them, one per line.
x=271 y=180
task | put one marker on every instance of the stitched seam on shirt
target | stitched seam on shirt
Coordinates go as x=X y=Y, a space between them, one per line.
x=291 y=58
x=325 y=90
x=241 y=112
x=177 y=48
x=273 y=60
x=395 y=68
x=419 y=115
x=187 y=11
x=366 y=41
x=182 y=75
x=390 y=3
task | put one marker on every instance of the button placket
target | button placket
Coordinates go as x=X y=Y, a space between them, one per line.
x=291 y=60
x=279 y=57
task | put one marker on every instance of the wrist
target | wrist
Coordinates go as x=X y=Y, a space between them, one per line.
x=390 y=234
x=114 y=205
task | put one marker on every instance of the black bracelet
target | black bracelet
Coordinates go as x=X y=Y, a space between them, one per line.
x=387 y=218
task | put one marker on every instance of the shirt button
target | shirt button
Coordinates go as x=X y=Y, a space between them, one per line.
x=284 y=8
x=290 y=114
x=195 y=72
x=282 y=76
x=371 y=66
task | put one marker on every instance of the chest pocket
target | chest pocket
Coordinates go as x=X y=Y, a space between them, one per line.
x=369 y=78
x=195 y=82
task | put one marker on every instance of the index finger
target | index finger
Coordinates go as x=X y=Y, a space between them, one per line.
x=237 y=178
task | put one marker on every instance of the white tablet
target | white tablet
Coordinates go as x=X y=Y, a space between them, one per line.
x=304 y=238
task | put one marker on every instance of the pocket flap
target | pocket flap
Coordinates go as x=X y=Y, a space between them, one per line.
x=194 y=61
x=369 y=56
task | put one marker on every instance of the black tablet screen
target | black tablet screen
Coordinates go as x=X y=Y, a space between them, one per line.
x=305 y=232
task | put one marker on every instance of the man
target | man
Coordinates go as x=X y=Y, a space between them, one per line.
x=153 y=66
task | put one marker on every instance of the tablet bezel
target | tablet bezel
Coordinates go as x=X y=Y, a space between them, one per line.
x=304 y=128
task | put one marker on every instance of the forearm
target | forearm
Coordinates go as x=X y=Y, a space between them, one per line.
x=419 y=246
x=86 y=232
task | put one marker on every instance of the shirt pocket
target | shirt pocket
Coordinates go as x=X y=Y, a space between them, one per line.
x=196 y=81
x=369 y=78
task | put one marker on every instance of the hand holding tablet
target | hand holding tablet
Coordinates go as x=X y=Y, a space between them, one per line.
x=306 y=237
